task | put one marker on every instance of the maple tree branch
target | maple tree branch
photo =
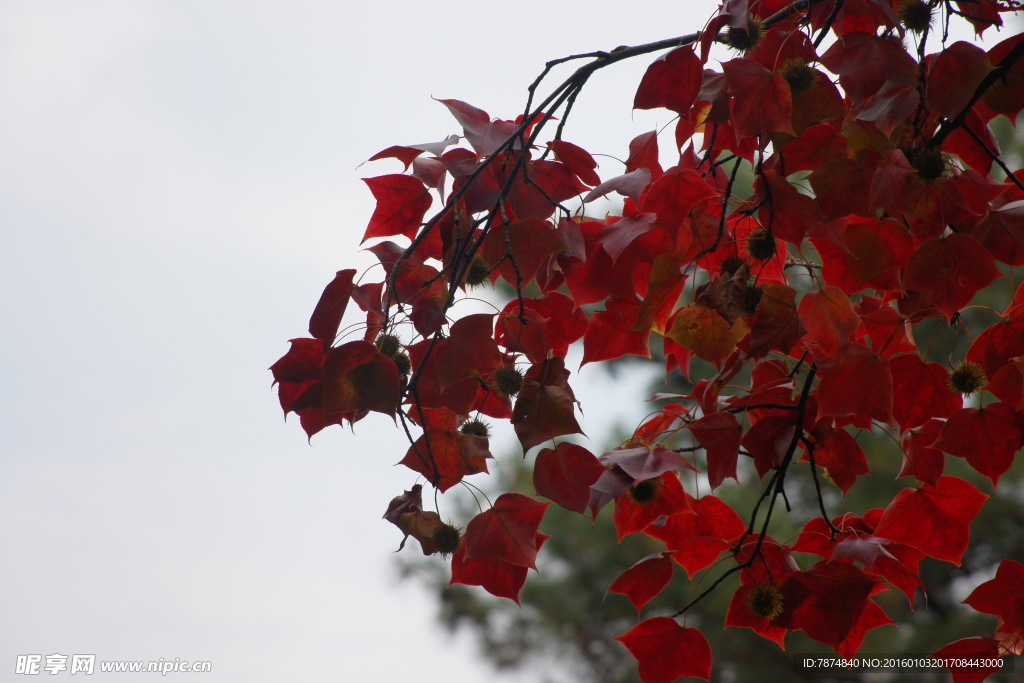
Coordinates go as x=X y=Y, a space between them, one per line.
x=799 y=263
x=570 y=101
x=778 y=480
x=790 y=9
x=774 y=489
x=762 y=406
x=534 y=183
x=710 y=147
x=563 y=93
x=1005 y=64
x=603 y=59
x=720 y=162
x=466 y=256
x=796 y=368
x=828 y=23
x=515 y=266
x=727 y=195
x=810 y=445
x=920 y=111
x=995 y=158
x=759 y=170
x=408 y=433
x=960 y=13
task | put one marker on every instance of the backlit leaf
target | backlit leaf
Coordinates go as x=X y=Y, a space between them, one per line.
x=706 y=333
x=565 y=474
x=987 y=437
x=856 y=382
x=645 y=579
x=402 y=202
x=665 y=650
x=507 y=531
x=761 y=99
x=934 y=519
x=359 y=378
x=699 y=536
x=950 y=271
x=719 y=434
x=496 y=576
x=672 y=82
x=545 y=405
x=829 y=318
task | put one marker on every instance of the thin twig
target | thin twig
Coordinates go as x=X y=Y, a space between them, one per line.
x=1005 y=64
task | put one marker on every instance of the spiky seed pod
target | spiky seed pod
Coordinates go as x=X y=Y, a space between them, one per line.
x=967 y=378
x=745 y=39
x=478 y=271
x=730 y=265
x=645 y=491
x=760 y=245
x=800 y=77
x=765 y=601
x=388 y=344
x=476 y=427
x=447 y=539
x=403 y=363
x=929 y=162
x=916 y=15
x=508 y=379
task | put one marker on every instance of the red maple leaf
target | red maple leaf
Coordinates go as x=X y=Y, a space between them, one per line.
x=507 y=531
x=934 y=519
x=761 y=99
x=402 y=202
x=829 y=318
x=706 y=333
x=672 y=82
x=494 y=575
x=648 y=500
x=699 y=536
x=950 y=271
x=966 y=650
x=665 y=650
x=577 y=159
x=839 y=454
x=645 y=579
x=920 y=459
x=358 y=378
x=720 y=435
x=987 y=437
x=565 y=474
x=327 y=315
x=609 y=334
x=825 y=601
x=920 y=391
x=445 y=457
x=1003 y=596
x=855 y=382
x=545 y=404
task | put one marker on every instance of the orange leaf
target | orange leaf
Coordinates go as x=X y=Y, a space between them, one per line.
x=706 y=333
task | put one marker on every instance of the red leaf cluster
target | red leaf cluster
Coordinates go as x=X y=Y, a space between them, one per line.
x=793 y=307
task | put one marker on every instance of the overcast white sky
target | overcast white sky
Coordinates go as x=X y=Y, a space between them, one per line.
x=178 y=181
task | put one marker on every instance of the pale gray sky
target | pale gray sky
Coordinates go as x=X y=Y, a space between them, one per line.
x=178 y=181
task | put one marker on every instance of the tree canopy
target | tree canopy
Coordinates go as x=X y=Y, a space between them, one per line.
x=829 y=208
